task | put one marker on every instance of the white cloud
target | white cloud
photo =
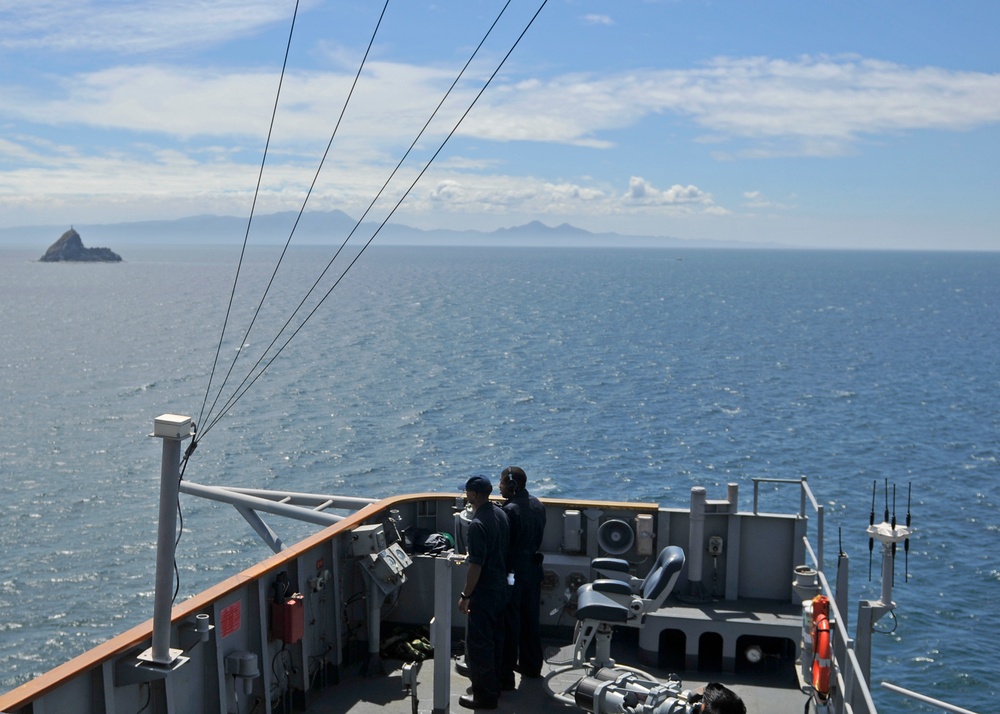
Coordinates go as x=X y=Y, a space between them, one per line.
x=821 y=106
x=388 y=107
x=133 y=27
x=756 y=200
x=17 y=150
x=447 y=190
x=642 y=192
x=514 y=195
x=184 y=134
x=806 y=107
x=764 y=107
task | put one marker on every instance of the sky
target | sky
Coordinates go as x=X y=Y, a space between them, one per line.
x=822 y=124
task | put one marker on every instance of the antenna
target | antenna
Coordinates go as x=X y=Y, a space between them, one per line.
x=906 y=542
x=871 y=524
x=894 y=533
x=885 y=515
x=888 y=533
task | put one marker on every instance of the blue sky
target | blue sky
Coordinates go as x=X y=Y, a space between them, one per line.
x=829 y=124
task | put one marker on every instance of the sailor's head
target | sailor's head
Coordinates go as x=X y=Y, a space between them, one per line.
x=717 y=699
x=478 y=486
x=512 y=480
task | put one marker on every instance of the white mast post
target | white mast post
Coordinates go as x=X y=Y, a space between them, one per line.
x=173 y=429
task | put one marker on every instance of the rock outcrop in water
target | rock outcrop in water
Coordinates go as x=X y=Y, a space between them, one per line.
x=70 y=247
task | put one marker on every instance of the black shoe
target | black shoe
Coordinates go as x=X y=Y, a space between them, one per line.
x=470 y=702
x=527 y=675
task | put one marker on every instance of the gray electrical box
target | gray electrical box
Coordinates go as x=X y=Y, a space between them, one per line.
x=367 y=540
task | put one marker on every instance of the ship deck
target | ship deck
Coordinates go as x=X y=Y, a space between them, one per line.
x=384 y=694
x=246 y=651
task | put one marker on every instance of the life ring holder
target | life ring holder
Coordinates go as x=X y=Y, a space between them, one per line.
x=822 y=647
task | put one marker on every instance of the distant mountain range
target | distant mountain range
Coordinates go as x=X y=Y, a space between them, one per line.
x=331 y=227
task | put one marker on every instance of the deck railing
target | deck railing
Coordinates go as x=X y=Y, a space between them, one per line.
x=943 y=706
x=806 y=497
x=851 y=692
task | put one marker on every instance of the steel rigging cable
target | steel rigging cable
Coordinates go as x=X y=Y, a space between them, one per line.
x=251 y=378
x=246 y=235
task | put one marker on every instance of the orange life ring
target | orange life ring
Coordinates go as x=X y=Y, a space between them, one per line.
x=822 y=647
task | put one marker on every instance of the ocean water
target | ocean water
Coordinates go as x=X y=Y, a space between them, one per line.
x=634 y=372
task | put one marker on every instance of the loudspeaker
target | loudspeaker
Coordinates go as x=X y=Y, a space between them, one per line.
x=615 y=537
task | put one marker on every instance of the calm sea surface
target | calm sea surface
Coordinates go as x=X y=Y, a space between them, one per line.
x=632 y=372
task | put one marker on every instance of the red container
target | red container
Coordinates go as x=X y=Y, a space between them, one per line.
x=288 y=619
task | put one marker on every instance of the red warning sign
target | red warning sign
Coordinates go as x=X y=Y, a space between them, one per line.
x=230 y=617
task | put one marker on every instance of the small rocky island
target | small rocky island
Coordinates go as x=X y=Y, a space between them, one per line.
x=69 y=247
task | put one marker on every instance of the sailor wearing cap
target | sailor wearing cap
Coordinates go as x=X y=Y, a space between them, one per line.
x=485 y=594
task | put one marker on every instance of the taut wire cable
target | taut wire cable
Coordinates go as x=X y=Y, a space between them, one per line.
x=252 y=378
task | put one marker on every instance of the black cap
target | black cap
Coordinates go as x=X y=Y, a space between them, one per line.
x=479 y=484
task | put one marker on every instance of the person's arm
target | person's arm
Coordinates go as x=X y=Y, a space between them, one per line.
x=477 y=547
x=471 y=579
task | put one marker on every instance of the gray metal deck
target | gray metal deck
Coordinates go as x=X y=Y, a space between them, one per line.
x=385 y=695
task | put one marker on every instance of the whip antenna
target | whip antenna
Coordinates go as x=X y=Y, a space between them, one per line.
x=885 y=513
x=871 y=541
x=906 y=541
x=894 y=533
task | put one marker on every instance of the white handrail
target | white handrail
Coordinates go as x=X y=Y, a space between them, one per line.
x=925 y=699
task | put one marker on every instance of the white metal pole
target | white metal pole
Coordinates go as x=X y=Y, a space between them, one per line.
x=696 y=541
x=173 y=430
x=444 y=601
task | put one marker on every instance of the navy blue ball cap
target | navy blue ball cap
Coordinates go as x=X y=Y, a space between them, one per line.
x=479 y=484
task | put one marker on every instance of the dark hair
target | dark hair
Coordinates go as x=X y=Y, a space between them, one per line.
x=516 y=475
x=718 y=699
